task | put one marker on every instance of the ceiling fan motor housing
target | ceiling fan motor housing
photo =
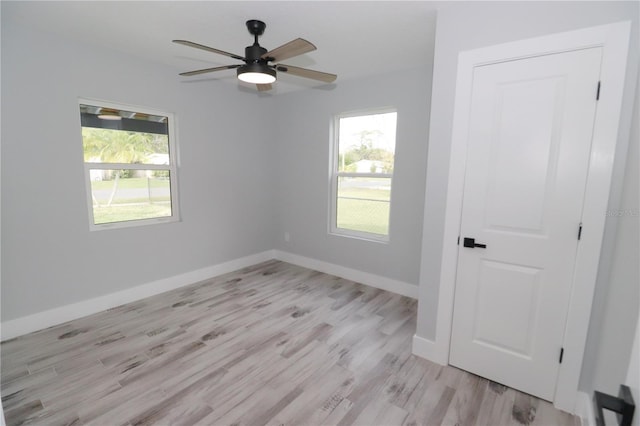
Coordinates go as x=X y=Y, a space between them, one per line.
x=253 y=53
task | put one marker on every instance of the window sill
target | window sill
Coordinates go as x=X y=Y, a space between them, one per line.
x=363 y=236
x=133 y=223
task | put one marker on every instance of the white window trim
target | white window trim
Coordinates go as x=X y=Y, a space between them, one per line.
x=172 y=167
x=334 y=174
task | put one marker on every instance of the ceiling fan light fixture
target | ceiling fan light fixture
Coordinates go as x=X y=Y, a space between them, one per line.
x=256 y=73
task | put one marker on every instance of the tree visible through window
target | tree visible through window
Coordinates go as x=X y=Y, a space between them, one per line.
x=364 y=150
x=129 y=165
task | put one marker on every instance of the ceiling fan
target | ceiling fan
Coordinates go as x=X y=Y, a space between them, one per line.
x=256 y=68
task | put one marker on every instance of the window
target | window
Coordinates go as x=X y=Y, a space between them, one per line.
x=363 y=157
x=129 y=163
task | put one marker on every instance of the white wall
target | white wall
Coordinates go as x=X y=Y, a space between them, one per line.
x=468 y=25
x=303 y=175
x=49 y=257
x=615 y=311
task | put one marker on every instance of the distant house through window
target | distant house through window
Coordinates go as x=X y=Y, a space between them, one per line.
x=129 y=164
x=363 y=160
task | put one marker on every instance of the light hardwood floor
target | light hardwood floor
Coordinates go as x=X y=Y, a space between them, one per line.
x=271 y=344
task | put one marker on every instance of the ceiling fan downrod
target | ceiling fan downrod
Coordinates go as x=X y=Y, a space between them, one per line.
x=256 y=28
x=253 y=53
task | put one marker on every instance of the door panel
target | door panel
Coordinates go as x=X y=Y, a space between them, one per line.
x=531 y=124
x=506 y=292
x=525 y=154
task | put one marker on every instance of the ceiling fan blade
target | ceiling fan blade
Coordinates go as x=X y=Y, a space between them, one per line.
x=208 y=49
x=306 y=73
x=289 y=50
x=264 y=87
x=206 y=70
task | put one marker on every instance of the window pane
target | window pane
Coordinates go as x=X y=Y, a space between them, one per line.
x=363 y=204
x=123 y=195
x=120 y=146
x=367 y=143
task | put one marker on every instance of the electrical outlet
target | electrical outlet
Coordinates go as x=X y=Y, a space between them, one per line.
x=287 y=237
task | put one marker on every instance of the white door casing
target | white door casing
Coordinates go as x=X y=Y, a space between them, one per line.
x=614 y=40
x=530 y=132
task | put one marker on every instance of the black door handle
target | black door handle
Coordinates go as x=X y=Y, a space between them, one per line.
x=471 y=243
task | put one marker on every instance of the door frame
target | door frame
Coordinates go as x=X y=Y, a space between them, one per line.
x=614 y=40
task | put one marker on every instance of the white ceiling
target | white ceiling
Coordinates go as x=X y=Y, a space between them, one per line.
x=354 y=39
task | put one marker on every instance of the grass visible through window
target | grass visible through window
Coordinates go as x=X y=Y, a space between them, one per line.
x=363 y=205
x=122 y=213
x=130 y=199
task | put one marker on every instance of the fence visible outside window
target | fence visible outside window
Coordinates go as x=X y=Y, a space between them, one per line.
x=363 y=158
x=129 y=162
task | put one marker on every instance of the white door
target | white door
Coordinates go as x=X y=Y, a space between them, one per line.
x=531 y=123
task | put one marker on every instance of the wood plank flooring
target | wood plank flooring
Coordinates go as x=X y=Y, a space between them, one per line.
x=271 y=344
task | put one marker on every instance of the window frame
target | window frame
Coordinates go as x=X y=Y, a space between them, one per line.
x=335 y=174
x=172 y=168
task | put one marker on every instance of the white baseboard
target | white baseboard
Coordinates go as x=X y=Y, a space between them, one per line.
x=427 y=349
x=30 y=323
x=366 y=278
x=41 y=320
x=584 y=409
